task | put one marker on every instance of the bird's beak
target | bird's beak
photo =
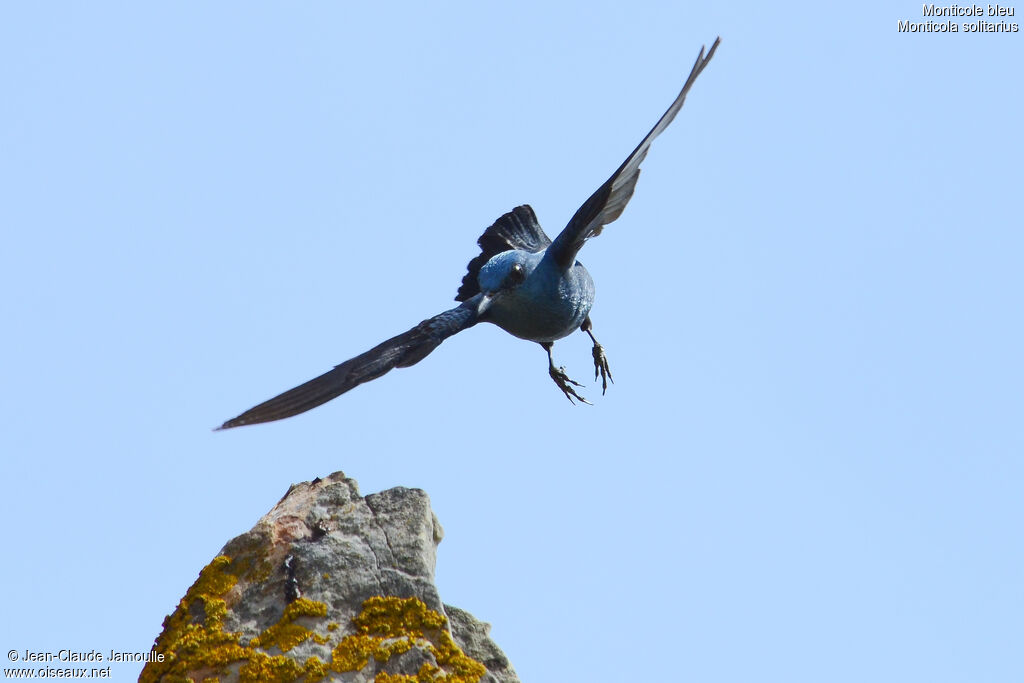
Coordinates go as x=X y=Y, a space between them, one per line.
x=484 y=303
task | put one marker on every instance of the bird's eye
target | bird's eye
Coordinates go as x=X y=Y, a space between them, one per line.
x=515 y=275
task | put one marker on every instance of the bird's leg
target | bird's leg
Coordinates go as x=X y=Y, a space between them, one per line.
x=561 y=379
x=600 y=360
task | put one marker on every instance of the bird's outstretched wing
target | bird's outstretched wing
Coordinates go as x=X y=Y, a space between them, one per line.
x=607 y=203
x=402 y=351
x=517 y=229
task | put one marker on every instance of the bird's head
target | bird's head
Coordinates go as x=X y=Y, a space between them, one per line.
x=505 y=271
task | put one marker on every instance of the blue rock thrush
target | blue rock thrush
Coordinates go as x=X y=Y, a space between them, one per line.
x=522 y=282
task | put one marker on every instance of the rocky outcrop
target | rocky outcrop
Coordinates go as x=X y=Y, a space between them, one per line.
x=328 y=586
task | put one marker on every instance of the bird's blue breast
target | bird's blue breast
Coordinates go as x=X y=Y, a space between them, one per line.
x=548 y=305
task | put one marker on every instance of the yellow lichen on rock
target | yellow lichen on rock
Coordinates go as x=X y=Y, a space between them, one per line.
x=286 y=634
x=316 y=670
x=388 y=626
x=193 y=639
x=197 y=648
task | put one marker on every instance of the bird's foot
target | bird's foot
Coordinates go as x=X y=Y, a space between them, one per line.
x=601 y=367
x=566 y=384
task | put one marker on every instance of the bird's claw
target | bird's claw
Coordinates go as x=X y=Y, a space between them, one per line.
x=601 y=367
x=566 y=384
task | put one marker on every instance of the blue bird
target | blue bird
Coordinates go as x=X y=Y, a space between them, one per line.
x=522 y=282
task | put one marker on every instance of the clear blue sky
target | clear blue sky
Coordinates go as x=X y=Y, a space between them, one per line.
x=809 y=468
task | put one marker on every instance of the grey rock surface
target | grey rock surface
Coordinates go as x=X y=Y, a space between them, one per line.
x=291 y=598
x=474 y=638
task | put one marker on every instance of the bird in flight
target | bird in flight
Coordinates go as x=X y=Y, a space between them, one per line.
x=522 y=281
